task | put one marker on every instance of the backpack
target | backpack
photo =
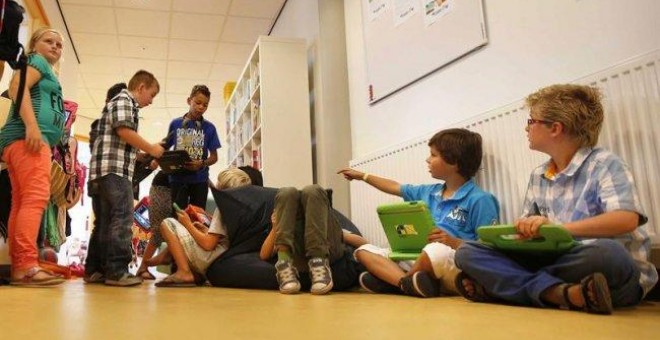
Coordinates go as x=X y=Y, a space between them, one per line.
x=11 y=51
x=67 y=174
x=11 y=16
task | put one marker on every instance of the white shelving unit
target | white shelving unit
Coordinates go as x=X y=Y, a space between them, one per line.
x=267 y=116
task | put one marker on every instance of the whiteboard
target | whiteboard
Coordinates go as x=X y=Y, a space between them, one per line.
x=406 y=40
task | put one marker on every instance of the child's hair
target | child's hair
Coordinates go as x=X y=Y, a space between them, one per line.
x=114 y=90
x=576 y=107
x=255 y=175
x=459 y=147
x=142 y=77
x=203 y=89
x=232 y=178
x=36 y=35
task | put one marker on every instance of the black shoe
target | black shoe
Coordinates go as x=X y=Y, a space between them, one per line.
x=420 y=284
x=373 y=284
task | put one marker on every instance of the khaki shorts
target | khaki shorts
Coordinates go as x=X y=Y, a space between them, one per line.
x=442 y=261
x=198 y=258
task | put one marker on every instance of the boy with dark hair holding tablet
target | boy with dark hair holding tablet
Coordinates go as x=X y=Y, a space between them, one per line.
x=458 y=207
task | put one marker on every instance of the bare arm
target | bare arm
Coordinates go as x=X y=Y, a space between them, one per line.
x=205 y=240
x=383 y=184
x=353 y=240
x=268 y=247
x=131 y=137
x=32 y=132
x=439 y=235
x=604 y=225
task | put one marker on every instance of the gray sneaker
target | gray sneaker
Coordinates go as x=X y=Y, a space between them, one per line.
x=287 y=277
x=126 y=280
x=420 y=284
x=319 y=272
x=96 y=277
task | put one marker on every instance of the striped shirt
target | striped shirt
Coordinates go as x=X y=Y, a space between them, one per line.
x=111 y=154
x=595 y=182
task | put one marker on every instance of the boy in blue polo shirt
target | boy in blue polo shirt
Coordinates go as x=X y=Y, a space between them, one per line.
x=458 y=207
x=199 y=138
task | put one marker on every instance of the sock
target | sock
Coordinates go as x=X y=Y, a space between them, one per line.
x=283 y=256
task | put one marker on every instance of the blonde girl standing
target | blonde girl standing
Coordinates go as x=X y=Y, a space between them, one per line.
x=25 y=145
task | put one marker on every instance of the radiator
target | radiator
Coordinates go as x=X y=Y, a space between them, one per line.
x=632 y=111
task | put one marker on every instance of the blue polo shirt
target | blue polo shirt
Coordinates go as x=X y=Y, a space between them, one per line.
x=459 y=215
x=198 y=138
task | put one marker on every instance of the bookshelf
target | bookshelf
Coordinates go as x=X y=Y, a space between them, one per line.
x=267 y=116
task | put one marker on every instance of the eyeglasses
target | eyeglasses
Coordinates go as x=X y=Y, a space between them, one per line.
x=531 y=121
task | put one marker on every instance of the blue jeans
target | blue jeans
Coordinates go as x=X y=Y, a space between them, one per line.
x=520 y=278
x=110 y=249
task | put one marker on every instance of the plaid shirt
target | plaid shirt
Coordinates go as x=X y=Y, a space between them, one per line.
x=111 y=154
x=595 y=182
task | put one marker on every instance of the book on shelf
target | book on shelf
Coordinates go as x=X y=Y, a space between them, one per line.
x=256 y=158
x=256 y=115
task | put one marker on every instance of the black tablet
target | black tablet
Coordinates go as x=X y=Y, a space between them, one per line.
x=173 y=161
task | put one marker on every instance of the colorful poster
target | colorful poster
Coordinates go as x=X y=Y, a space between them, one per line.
x=376 y=8
x=436 y=9
x=403 y=10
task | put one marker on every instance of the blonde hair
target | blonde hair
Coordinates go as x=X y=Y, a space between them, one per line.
x=577 y=107
x=36 y=35
x=232 y=178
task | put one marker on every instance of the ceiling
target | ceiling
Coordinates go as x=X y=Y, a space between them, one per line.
x=182 y=42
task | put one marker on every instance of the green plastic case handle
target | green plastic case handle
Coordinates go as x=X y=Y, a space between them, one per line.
x=554 y=238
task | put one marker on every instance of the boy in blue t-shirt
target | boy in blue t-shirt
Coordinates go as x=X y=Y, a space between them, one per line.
x=458 y=207
x=200 y=139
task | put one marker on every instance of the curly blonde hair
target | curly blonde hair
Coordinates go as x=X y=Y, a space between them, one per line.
x=232 y=178
x=577 y=107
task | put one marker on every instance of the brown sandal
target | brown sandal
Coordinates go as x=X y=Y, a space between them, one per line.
x=597 y=284
x=145 y=275
x=29 y=280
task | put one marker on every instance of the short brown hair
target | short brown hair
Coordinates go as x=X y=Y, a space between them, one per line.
x=142 y=77
x=459 y=147
x=577 y=107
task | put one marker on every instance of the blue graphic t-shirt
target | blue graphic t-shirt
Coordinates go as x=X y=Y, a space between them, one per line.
x=460 y=215
x=197 y=138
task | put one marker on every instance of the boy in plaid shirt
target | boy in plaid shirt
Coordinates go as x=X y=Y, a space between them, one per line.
x=111 y=170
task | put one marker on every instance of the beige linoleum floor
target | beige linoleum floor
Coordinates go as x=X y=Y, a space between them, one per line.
x=79 y=311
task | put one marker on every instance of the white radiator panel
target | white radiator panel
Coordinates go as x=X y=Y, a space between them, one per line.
x=632 y=116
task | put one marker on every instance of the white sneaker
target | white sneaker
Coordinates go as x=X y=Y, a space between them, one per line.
x=287 y=277
x=321 y=275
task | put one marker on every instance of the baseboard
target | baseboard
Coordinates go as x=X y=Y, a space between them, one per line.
x=655 y=255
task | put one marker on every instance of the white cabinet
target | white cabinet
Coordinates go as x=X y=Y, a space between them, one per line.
x=267 y=116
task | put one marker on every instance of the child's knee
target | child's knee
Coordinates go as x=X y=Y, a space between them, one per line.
x=368 y=249
x=313 y=190
x=440 y=258
x=288 y=193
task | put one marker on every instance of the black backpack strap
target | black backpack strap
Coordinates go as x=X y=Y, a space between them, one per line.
x=22 y=69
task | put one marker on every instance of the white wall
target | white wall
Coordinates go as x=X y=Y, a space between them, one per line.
x=321 y=23
x=531 y=44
